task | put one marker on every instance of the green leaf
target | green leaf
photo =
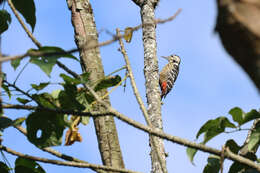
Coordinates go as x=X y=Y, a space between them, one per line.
x=27 y=9
x=191 y=153
x=253 y=114
x=23 y=165
x=82 y=99
x=85 y=77
x=4 y=168
x=70 y=80
x=40 y=86
x=5 y=122
x=56 y=52
x=46 y=63
x=22 y=100
x=67 y=98
x=214 y=127
x=85 y=120
x=5 y=87
x=45 y=99
x=213 y=165
x=55 y=94
x=45 y=128
x=15 y=63
x=232 y=145
x=254 y=140
x=254 y=137
x=107 y=82
x=5 y=20
x=237 y=115
x=18 y=121
x=236 y=167
x=241 y=118
x=211 y=133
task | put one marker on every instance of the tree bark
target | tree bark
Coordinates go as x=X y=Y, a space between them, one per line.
x=85 y=32
x=151 y=73
x=238 y=26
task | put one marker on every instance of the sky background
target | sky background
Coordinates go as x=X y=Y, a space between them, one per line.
x=210 y=83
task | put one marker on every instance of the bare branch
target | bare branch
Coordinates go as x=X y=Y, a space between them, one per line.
x=65 y=163
x=105 y=43
x=163 y=135
x=37 y=43
x=136 y=93
x=54 y=152
x=172 y=138
x=61 y=111
x=132 y=79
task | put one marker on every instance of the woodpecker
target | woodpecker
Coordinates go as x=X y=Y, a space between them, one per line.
x=169 y=74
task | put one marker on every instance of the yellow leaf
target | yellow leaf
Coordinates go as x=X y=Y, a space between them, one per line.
x=128 y=34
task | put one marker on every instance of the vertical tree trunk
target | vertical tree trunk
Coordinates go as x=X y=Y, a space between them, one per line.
x=152 y=81
x=85 y=32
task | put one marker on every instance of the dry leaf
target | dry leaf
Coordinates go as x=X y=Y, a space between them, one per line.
x=72 y=135
x=128 y=34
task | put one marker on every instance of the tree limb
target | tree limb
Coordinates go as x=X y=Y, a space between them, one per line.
x=151 y=73
x=88 y=47
x=82 y=18
x=137 y=95
x=156 y=132
x=65 y=163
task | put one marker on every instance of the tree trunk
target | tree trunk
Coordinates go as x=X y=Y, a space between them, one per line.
x=152 y=82
x=238 y=26
x=85 y=32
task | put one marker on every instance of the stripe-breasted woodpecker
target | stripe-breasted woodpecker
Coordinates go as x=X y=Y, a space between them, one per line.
x=169 y=74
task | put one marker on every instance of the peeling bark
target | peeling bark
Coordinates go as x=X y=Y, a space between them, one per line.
x=85 y=32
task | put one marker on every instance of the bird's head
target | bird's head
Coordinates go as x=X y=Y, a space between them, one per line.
x=173 y=58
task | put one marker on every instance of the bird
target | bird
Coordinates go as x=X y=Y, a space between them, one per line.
x=169 y=74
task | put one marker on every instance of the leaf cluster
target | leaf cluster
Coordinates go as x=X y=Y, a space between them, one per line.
x=215 y=127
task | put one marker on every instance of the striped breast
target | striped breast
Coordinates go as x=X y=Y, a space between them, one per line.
x=168 y=76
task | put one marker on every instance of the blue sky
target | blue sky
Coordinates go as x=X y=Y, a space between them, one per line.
x=210 y=83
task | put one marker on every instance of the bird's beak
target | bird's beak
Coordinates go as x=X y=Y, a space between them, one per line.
x=165 y=57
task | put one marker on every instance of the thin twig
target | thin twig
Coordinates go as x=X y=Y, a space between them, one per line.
x=236 y=130
x=8 y=58
x=52 y=151
x=136 y=93
x=61 y=65
x=132 y=79
x=144 y=128
x=37 y=43
x=175 y=139
x=19 y=90
x=109 y=92
x=21 y=72
x=60 y=111
x=65 y=163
